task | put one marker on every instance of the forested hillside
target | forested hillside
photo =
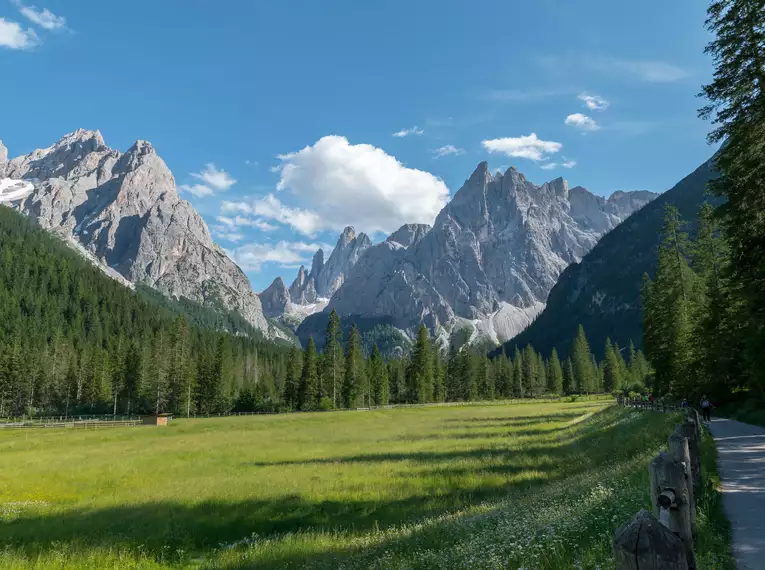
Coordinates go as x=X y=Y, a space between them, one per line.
x=74 y=340
x=602 y=292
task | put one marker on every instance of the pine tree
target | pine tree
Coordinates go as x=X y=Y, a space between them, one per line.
x=668 y=309
x=555 y=374
x=612 y=373
x=378 y=374
x=419 y=376
x=454 y=375
x=332 y=360
x=309 y=379
x=581 y=359
x=518 y=367
x=439 y=372
x=353 y=379
x=737 y=108
x=569 y=379
x=291 y=387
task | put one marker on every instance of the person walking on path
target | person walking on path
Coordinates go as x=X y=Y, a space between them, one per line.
x=741 y=452
x=706 y=408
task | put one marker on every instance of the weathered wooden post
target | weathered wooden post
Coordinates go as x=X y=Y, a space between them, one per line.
x=644 y=543
x=678 y=449
x=688 y=429
x=671 y=500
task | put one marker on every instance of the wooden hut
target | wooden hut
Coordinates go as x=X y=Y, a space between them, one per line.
x=157 y=420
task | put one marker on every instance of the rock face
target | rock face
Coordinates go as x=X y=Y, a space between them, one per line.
x=490 y=260
x=409 y=234
x=602 y=291
x=124 y=209
x=326 y=278
x=275 y=299
x=3 y=159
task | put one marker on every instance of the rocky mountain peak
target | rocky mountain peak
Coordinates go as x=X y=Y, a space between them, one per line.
x=493 y=254
x=348 y=235
x=275 y=298
x=317 y=264
x=409 y=234
x=125 y=211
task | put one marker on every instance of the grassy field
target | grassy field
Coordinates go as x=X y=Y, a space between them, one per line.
x=538 y=486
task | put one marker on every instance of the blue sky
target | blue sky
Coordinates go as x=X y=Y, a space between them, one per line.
x=283 y=121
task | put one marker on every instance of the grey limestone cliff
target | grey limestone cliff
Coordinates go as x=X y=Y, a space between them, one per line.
x=125 y=210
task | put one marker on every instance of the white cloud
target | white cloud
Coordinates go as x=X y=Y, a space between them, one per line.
x=43 y=18
x=243 y=222
x=249 y=162
x=214 y=178
x=581 y=122
x=649 y=71
x=271 y=208
x=593 y=102
x=447 y=150
x=343 y=184
x=530 y=147
x=198 y=190
x=286 y=254
x=406 y=132
x=569 y=164
x=226 y=233
x=549 y=166
x=13 y=36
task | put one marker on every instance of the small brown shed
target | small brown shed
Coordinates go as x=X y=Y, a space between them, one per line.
x=157 y=420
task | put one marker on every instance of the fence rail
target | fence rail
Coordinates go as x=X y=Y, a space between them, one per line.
x=86 y=424
x=664 y=539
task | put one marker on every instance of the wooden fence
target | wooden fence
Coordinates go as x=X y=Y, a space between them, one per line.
x=663 y=540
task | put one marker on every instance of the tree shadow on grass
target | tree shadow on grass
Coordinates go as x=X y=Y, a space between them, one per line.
x=199 y=527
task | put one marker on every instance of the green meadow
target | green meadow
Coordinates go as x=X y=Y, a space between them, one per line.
x=532 y=485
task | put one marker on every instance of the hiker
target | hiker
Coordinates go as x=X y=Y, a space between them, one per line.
x=684 y=403
x=706 y=408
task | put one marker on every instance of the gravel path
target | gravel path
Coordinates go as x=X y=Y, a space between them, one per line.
x=741 y=448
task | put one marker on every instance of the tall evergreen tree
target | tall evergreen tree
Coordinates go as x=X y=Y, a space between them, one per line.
x=612 y=372
x=736 y=105
x=581 y=360
x=333 y=359
x=518 y=367
x=378 y=373
x=569 y=379
x=419 y=376
x=354 y=378
x=308 y=397
x=555 y=374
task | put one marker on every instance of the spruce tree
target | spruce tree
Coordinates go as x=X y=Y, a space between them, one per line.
x=518 y=371
x=419 y=376
x=333 y=359
x=354 y=377
x=569 y=379
x=612 y=373
x=555 y=374
x=378 y=374
x=291 y=386
x=308 y=394
x=581 y=360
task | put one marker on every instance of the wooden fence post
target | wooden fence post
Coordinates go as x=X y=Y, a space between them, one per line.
x=670 y=498
x=643 y=543
x=688 y=429
x=678 y=449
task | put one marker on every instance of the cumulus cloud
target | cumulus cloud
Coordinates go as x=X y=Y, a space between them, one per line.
x=198 y=190
x=252 y=256
x=342 y=184
x=245 y=222
x=593 y=102
x=406 y=132
x=271 y=208
x=581 y=122
x=530 y=147
x=43 y=18
x=446 y=150
x=13 y=36
x=214 y=178
x=569 y=164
